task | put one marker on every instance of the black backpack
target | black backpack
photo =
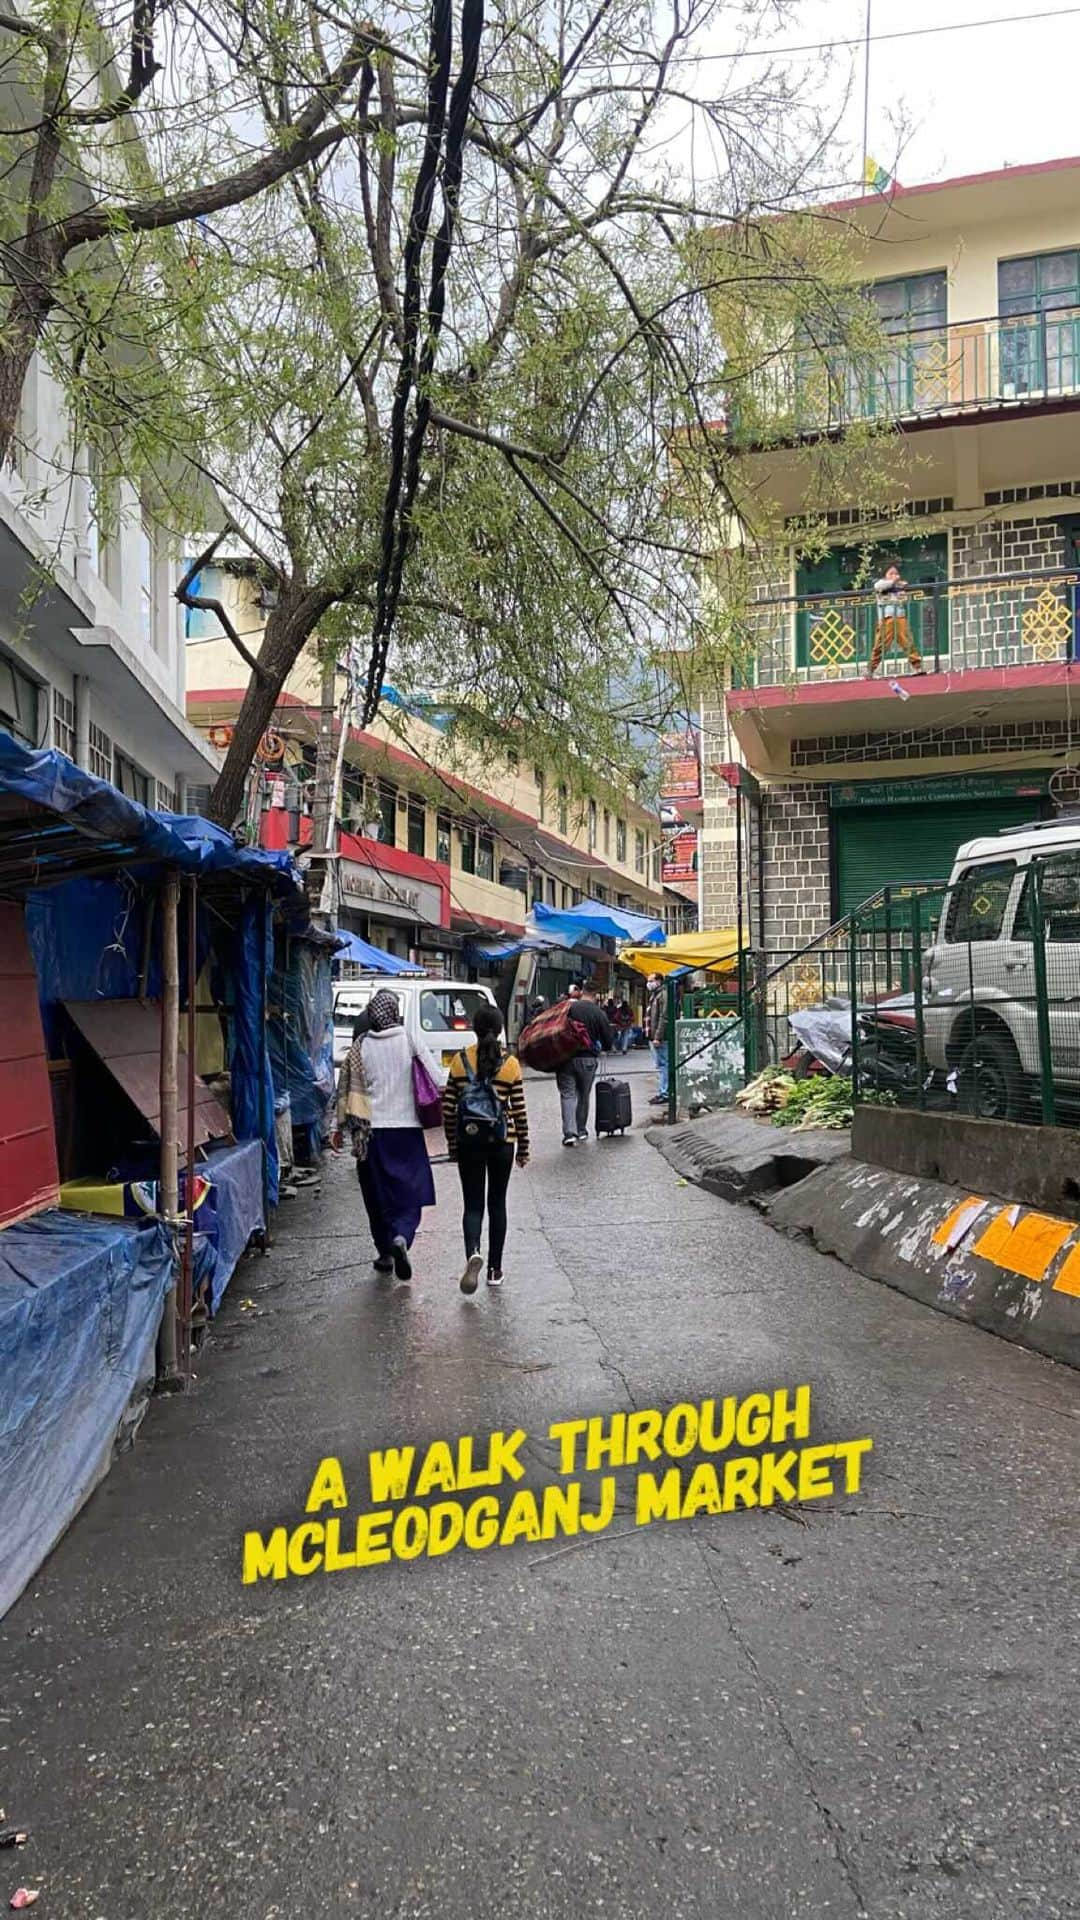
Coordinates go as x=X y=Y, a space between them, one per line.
x=481 y=1119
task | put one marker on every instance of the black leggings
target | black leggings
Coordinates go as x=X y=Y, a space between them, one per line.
x=490 y=1166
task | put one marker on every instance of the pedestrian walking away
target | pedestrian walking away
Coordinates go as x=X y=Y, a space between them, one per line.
x=487 y=1129
x=377 y=1107
x=656 y=1034
x=575 y=1077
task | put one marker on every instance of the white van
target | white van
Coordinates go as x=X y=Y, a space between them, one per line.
x=438 y=1013
x=979 y=976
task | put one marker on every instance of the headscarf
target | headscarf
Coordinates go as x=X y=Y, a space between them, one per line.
x=384 y=1010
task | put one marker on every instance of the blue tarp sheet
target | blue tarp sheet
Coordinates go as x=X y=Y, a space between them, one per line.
x=302 y=1030
x=116 y=825
x=363 y=954
x=595 y=917
x=80 y=1302
x=238 y=1204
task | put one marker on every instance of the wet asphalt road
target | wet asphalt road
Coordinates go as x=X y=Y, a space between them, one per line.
x=868 y=1710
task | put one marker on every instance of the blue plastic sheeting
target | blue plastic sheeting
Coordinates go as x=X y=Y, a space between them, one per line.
x=252 y=1079
x=363 y=954
x=238 y=1204
x=596 y=918
x=114 y=825
x=301 y=1031
x=80 y=1303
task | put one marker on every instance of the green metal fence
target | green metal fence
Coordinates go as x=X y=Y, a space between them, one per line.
x=986 y=1020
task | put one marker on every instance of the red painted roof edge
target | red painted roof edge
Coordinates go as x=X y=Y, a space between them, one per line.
x=1030 y=170
x=833 y=692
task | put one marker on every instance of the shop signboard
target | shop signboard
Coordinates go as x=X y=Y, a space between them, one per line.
x=680 y=856
x=680 y=766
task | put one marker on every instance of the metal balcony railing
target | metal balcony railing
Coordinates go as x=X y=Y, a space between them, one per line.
x=1008 y=619
x=1001 y=363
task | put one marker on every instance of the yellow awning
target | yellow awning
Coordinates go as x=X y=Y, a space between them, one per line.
x=715 y=951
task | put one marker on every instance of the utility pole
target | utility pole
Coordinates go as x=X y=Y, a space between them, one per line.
x=321 y=890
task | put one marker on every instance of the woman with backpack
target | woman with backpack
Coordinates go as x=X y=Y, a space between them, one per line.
x=377 y=1105
x=487 y=1127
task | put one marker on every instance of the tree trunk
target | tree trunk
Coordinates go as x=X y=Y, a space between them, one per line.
x=290 y=626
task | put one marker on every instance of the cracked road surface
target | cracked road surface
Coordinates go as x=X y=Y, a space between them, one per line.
x=866 y=1709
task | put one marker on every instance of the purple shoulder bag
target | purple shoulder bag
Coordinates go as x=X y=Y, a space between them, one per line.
x=426 y=1095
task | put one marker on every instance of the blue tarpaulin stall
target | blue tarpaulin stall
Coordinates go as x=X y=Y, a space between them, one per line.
x=237 y=1192
x=372 y=959
x=80 y=1303
x=596 y=920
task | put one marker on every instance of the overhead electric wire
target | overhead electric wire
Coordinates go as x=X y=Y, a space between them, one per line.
x=857 y=40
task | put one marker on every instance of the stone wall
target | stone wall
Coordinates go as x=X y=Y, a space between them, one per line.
x=796 y=836
x=1016 y=623
x=1040 y=738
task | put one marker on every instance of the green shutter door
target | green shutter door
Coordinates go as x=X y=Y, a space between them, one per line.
x=889 y=846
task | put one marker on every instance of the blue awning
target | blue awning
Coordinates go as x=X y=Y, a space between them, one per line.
x=56 y=821
x=594 y=919
x=363 y=954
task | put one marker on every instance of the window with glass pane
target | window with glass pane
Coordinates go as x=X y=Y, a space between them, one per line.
x=131 y=780
x=912 y=377
x=468 y=849
x=1039 y=304
x=639 y=852
x=19 y=697
x=978 y=902
x=485 y=857
x=592 y=825
x=442 y=838
x=147 y=565
x=620 y=840
x=541 y=792
x=63 y=724
x=450 y=1010
x=564 y=809
x=1059 y=897
x=387 y=813
x=607 y=831
x=537 y=889
x=101 y=753
x=551 y=892
x=417 y=825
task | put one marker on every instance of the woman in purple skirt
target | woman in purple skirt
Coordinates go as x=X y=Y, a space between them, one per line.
x=377 y=1108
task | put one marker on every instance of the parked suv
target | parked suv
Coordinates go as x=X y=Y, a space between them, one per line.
x=980 y=1017
x=439 y=1013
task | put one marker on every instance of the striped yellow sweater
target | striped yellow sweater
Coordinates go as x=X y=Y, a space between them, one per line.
x=508 y=1085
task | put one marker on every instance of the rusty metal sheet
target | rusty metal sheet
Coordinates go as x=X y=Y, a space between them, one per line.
x=126 y=1036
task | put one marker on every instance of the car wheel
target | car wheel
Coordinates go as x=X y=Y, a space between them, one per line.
x=991 y=1079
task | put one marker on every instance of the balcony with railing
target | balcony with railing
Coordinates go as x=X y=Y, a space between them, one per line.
x=1001 y=364
x=822 y=663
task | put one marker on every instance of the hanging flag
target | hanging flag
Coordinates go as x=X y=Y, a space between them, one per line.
x=876 y=176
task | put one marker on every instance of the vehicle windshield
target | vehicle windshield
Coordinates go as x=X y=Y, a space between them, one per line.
x=450 y=1009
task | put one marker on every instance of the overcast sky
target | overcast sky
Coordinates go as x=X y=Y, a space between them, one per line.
x=961 y=102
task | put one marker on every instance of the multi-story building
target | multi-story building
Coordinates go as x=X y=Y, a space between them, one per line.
x=91 y=638
x=437 y=855
x=861 y=773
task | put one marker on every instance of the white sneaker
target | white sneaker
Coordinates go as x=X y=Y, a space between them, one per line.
x=494 y=1279
x=470 y=1279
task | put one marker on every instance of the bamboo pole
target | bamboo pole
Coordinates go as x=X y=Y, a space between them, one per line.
x=169 y=1118
x=188 y=1261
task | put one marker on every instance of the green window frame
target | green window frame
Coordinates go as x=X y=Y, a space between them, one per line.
x=1039 y=310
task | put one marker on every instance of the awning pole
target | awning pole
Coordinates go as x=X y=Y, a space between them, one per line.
x=169 y=1118
x=188 y=1262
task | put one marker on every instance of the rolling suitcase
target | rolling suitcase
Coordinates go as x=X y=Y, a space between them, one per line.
x=614 y=1112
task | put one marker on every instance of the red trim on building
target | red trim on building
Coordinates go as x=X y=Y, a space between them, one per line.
x=1028 y=172
x=967 y=680
x=575 y=856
